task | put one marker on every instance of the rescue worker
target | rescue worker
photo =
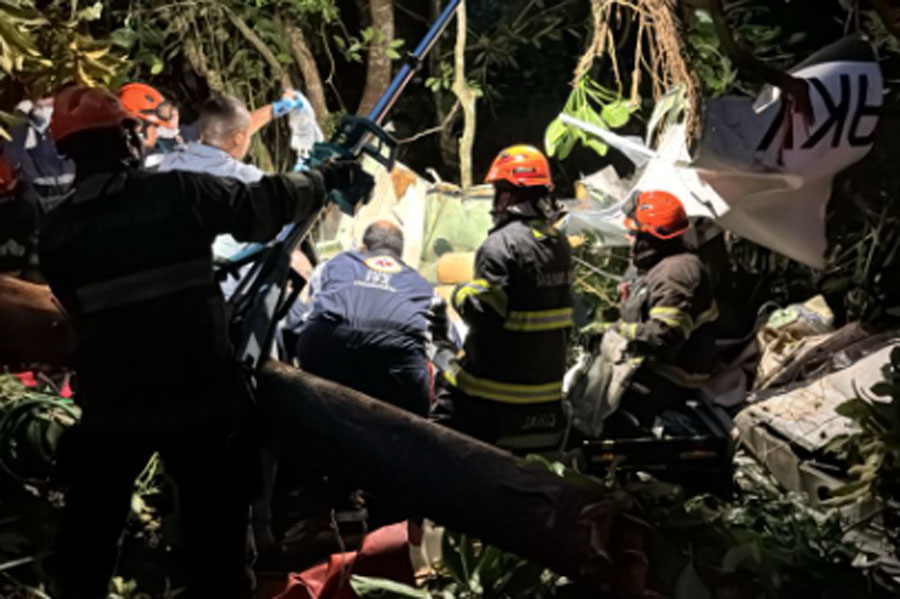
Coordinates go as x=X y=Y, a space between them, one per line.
x=157 y=119
x=128 y=256
x=46 y=176
x=506 y=388
x=372 y=311
x=160 y=121
x=667 y=312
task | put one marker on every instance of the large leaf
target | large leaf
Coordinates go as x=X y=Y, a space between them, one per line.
x=381 y=588
x=616 y=114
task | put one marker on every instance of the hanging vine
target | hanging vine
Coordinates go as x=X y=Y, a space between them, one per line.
x=638 y=45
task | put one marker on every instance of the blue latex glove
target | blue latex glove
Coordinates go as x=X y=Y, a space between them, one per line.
x=285 y=105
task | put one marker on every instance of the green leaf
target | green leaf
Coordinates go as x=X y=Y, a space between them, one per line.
x=451 y=560
x=554 y=135
x=616 y=114
x=366 y=586
x=91 y=13
x=392 y=54
x=396 y=43
x=157 y=67
x=596 y=145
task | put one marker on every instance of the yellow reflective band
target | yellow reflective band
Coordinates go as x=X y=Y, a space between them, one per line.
x=540 y=320
x=493 y=296
x=504 y=392
x=628 y=330
x=673 y=317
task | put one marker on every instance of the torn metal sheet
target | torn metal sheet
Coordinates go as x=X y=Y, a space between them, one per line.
x=805 y=414
x=760 y=170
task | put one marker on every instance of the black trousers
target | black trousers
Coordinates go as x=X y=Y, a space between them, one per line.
x=518 y=428
x=216 y=477
x=335 y=352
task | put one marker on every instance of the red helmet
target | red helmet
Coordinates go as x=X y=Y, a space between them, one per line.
x=658 y=213
x=8 y=178
x=523 y=166
x=147 y=104
x=79 y=108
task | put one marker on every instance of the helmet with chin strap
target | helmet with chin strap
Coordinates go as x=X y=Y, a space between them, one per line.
x=658 y=213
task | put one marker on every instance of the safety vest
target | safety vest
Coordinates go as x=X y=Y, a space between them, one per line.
x=519 y=310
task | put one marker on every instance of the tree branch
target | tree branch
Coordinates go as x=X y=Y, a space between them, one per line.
x=446 y=123
x=315 y=89
x=261 y=47
x=467 y=99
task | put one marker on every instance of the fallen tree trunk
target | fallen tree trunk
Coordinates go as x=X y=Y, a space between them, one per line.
x=568 y=524
x=34 y=330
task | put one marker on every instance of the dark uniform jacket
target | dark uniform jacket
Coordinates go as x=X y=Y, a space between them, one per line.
x=386 y=302
x=668 y=316
x=519 y=310
x=128 y=256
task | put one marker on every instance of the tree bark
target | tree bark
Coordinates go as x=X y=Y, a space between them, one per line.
x=34 y=328
x=571 y=524
x=467 y=98
x=312 y=78
x=378 y=73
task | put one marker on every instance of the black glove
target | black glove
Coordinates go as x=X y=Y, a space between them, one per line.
x=341 y=174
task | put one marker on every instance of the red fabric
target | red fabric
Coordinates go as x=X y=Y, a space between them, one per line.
x=66 y=390
x=384 y=554
x=27 y=378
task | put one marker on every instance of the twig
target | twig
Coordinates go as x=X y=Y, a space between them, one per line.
x=445 y=123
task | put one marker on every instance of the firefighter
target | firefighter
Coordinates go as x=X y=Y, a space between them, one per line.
x=372 y=310
x=157 y=119
x=128 y=256
x=667 y=312
x=507 y=386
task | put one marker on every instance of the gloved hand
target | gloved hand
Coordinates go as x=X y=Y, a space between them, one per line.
x=291 y=100
x=342 y=174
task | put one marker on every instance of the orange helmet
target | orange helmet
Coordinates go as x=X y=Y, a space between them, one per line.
x=658 y=213
x=148 y=105
x=79 y=108
x=523 y=166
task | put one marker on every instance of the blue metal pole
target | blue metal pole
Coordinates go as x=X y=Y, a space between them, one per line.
x=409 y=69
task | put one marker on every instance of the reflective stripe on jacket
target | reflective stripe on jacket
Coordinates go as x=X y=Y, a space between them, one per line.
x=668 y=317
x=519 y=310
x=128 y=256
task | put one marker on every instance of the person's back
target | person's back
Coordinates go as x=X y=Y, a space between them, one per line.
x=506 y=388
x=128 y=256
x=371 y=319
x=132 y=264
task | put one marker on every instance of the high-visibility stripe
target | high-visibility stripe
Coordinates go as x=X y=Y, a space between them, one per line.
x=492 y=296
x=145 y=285
x=628 y=329
x=540 y=320
x=504 y=392
x=673 y=317
x=62 y=179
